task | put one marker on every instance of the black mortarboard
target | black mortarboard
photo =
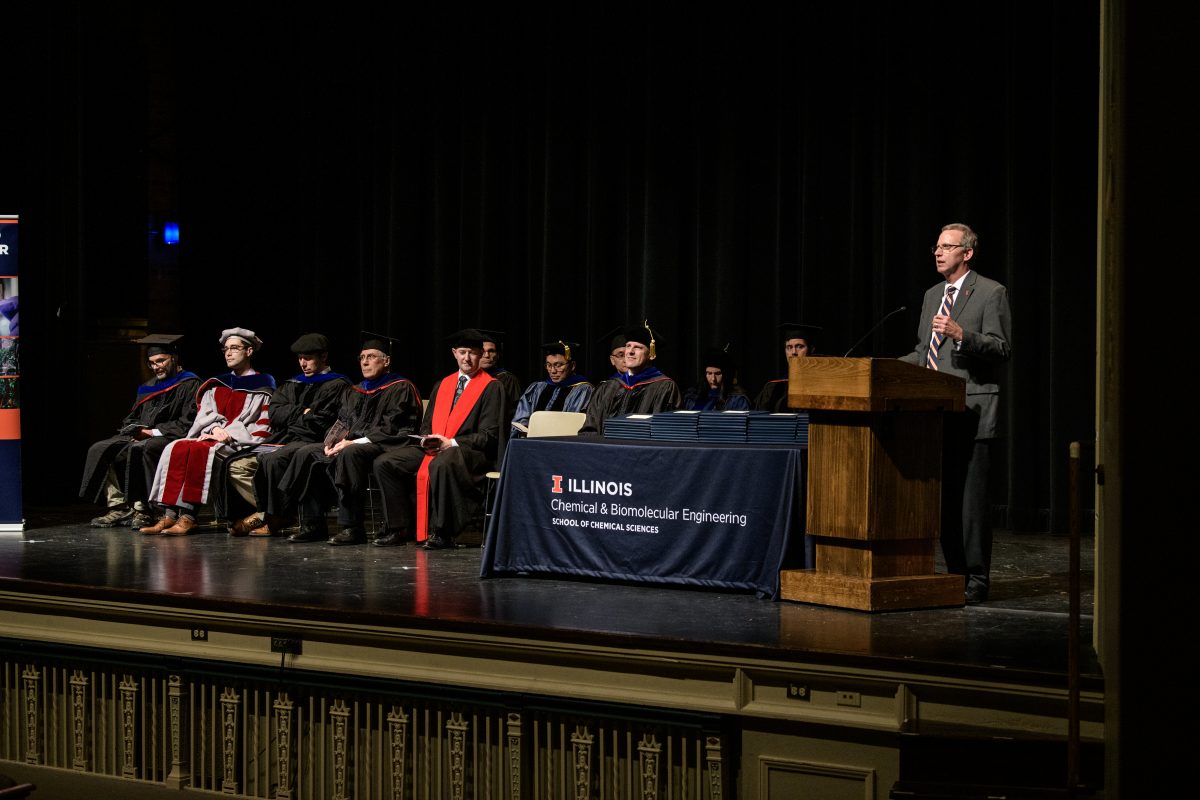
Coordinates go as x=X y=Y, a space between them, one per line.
x=311 y=343
x=159 y=343
x=642 y=334
x=468 y=337
x=568 y=350
x=718 y=357
x=495 y=337
x=613 y=339
x=799 y=330
x=377 y=341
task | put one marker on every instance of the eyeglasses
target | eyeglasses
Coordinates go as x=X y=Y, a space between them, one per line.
x=550 y=365
x=370 y=357
x=155 y=363
x=945 y=248
x=233 y=348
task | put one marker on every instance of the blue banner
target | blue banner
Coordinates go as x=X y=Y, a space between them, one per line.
x=11 y=513
x=699 y=515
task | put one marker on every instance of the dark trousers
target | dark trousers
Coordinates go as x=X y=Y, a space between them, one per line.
x=268 y=480
x=966 y=510
x=351 y=472
x=312 y=480
x=304 y=483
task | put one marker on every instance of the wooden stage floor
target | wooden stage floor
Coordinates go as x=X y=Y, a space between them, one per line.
x=1023 y=629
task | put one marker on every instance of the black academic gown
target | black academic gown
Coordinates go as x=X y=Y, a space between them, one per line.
x=384 y=411
x=773 y=397
x=511 y=384
x=169 y=406
x=513 y=389
x=321 y=394
x=645 y=393
x=292 y=428
x=456 y=475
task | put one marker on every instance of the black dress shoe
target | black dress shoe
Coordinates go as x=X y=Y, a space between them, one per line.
x=976 y=595
x=436 y=541
x=392 y=539
x=313 y=534
x=348 y=536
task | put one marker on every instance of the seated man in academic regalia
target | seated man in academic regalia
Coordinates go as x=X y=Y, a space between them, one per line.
x=641 y=388
x=615 y=340
x=493 y=345
x=718 y=389
x=562 y=390
x=231 y=413
x=444 y=473
x=163 y=411
x=302 y=410
x=799 y=341
x=376 y=416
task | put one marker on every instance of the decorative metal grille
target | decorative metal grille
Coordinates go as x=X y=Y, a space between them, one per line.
x=254 y=738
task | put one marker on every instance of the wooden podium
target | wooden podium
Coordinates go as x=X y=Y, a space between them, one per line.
x=874 y=483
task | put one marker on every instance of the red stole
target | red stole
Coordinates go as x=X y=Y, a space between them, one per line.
x=446 y=422
x=229 y=402
x=189 y=467
x=188 y=471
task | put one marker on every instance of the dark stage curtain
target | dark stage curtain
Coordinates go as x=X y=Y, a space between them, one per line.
x=557 y=172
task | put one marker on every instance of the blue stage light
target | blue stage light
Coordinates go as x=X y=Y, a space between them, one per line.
x=171 y=233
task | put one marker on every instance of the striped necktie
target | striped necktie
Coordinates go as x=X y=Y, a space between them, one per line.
x=458 y=390
x=931 y=358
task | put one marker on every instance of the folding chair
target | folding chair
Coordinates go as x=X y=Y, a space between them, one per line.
x=542 y=423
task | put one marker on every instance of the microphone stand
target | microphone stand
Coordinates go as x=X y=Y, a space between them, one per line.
x=878 y=325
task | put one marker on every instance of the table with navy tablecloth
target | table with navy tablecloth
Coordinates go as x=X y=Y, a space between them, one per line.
x=722 y=516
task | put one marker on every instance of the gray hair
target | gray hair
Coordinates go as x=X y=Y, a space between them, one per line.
x=969 y=239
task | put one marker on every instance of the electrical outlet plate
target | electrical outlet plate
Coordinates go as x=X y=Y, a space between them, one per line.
x=850 y=699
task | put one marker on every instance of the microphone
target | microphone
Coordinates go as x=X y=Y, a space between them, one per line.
x=877 y=327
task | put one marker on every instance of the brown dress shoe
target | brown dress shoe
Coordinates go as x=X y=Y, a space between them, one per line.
x=244 y=526
x=163 y=523
x=271 y=525
x=182 y=527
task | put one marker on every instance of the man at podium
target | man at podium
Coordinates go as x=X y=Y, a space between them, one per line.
x=964 y=331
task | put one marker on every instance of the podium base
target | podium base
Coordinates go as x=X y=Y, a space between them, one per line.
x=872 y=594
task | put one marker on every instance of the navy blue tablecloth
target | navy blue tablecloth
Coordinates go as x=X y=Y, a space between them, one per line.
x=707 y=515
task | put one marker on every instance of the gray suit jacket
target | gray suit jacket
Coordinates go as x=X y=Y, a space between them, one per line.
x=982 y=311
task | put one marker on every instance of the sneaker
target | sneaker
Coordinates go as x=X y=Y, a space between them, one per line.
x=140 y=519
x=113 y=518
